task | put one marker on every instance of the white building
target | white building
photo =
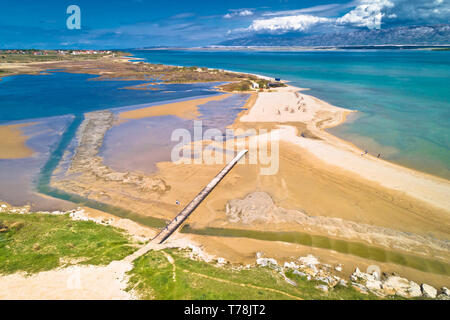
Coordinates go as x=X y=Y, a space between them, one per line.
x=255 y=85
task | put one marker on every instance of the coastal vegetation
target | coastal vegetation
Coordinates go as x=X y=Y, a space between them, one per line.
x=251 y=83
x=440 y=49
x=237 y=86
x=31 y=55
x=175 y=74
x=174 y=274
x=35 y=242
x=113 y=66
x=39 y=242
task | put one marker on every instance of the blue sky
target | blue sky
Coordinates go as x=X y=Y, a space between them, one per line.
x=140 y=23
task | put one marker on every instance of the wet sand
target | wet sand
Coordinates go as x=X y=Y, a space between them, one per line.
x=13 y=142
x=185 y=109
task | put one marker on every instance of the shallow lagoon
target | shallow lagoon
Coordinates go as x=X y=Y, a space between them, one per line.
x=149 y=139
x=51 y=103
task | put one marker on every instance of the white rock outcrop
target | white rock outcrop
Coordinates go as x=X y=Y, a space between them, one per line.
x=414 y=290
x=429 y=291
x=265 y=262
x=396 y=285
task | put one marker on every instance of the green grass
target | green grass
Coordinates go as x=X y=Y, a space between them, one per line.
x=39 y=242
x=152 y=278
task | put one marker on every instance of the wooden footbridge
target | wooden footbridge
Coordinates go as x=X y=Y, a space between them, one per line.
x=187 y=211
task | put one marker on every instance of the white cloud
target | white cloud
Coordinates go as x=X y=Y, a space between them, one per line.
x=320 y=8
x=288 y=23
x=364 y=14
x=244 y=13
x=420 y=11
x=238 y=12
x=367 y=14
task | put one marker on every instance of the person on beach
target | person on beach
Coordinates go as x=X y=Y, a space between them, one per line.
x=379 y=155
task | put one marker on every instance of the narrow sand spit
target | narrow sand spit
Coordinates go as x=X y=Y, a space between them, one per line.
x=12 y=142
x=289 y=105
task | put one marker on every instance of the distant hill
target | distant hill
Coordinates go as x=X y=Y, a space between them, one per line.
x=409 y=35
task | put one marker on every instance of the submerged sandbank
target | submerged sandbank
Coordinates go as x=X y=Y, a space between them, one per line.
x=13 y=142
x=185 y=109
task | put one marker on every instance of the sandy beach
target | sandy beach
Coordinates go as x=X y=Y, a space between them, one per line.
x=286 y=106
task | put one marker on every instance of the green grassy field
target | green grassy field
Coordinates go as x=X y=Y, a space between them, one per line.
x=38 y=242
x=155 y=277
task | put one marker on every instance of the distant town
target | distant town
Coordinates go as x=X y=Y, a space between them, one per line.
x=53 y=52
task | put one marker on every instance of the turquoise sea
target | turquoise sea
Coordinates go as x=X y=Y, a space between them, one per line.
x=403 y=96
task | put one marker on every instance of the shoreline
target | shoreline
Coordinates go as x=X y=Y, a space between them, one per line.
x=136 y=60
x=337 y=122
x=341 y=121
x=332 y=143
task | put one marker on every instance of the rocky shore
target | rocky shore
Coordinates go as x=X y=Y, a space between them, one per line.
x=371 y=282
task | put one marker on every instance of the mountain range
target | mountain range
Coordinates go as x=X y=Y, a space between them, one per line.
x=405 y=35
